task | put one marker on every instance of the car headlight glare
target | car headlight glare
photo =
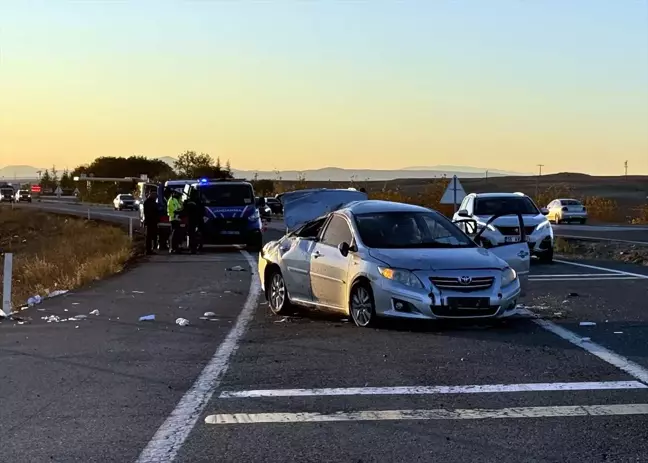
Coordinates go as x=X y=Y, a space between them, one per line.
x=508 y=276
x=404 y=277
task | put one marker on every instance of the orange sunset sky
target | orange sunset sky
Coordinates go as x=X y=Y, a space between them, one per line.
x=299 y=85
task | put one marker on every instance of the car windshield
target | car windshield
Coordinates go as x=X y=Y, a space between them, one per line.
x=6 y=191
x=227 y=195
x=399 y=230
x=505 y=205
x=571 y=202
x=127 y=197
x=24 y=192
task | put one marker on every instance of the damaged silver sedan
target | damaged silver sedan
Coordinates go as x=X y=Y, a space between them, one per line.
x=371 y=259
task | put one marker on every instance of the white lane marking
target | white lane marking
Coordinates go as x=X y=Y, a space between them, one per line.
x=552 y=275
x=435 y=414
x=612 y=240
x=622 y=363
x=612 y=277
x=168 y=439
x=426 y=390
x=594 y=267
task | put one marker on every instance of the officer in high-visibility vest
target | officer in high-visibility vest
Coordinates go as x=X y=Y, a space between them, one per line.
x=174 y=207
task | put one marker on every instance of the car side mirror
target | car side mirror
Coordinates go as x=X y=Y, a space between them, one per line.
x=463 y=213
x=344 y=248
x=544 y=211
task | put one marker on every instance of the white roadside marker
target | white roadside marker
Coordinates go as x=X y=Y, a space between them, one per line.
x=436 y=414
x=168 y=439
x=430 y=390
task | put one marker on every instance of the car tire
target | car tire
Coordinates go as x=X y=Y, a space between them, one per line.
x=547 y=257
x=362 y=307
x=277 y=293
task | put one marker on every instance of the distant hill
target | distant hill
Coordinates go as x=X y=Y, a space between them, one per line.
x=19 y=172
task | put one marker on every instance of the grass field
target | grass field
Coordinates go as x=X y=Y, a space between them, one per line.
x=609 y=199
x=54 y=252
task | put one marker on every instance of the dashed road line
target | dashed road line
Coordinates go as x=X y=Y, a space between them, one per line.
x=434 y=414
x=603 y=269
x=430 y=390
x=168 y=439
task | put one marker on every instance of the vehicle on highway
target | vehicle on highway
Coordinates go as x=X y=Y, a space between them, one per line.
x=232 y=212
x=371 y=259
x=7 y=194
x=482 y=207
x=566 y=211
x=274 y=204
x=265 y=211
x=125 y=201
x=23 y=195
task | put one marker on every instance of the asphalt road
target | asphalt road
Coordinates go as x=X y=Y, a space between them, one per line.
x=629 y=233
x=253 y=387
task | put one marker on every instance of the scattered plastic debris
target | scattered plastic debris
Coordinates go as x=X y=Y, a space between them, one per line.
x=76 y=326
x=236 y=268
x=58 y=292
x=80 y=317
x=587 y=324
x=182 y=321
x=94 y=312
x=2 y=314
x=75 y=303
x=137 y=292
x=345 y=320
x=209 y=314
x=146 y=318
x=211 y=319
x=51 y=319
x=32 y=301
x=227 y=292
x=618 y=332
x=586 y=339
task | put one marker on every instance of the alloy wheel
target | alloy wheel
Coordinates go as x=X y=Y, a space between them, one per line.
x=362 y=307
x=277 y=293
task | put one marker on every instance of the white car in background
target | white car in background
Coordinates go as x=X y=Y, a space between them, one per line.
x=566 y=210
x=481 y=207
x=125 y=201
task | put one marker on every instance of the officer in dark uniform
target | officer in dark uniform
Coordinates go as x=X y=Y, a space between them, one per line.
x=151 y=221
x=194 y=210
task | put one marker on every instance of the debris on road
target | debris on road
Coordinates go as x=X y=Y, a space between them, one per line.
x=137 y=292
x=236 y=268
x=58 y=292
x=32 y=301
x=618 y=332
x=573 y=295
x=209 y=314
x=587 y=324
x=52 y=319
x=586 y=339
x=94 y=312
x=146 y=318
x=182 y=321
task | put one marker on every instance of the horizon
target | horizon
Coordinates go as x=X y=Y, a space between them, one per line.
x=262 y=84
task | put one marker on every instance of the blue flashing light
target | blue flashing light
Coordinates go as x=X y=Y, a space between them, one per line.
x=203 y=180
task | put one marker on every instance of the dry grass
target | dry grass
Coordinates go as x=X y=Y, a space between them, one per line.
x=54 y=252
x=622 y=252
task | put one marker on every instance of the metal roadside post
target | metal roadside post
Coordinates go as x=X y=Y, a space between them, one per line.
x=88 y=213
x=130 y=228
x=6 y=284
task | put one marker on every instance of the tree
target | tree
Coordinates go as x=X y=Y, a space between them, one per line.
x=191 y=165
x=55 y=179
x=66 y=182
x=133 y=166
x=46 y=182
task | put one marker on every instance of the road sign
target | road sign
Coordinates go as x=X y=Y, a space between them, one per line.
x=76 y=192
x=35 y=188
x=58 y=192
x=454 y=194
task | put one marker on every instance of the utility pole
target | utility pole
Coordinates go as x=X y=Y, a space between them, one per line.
x=625 y=165
x=540 y=166
x=486 y=176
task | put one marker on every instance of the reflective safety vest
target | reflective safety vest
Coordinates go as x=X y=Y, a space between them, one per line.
x=173 y=207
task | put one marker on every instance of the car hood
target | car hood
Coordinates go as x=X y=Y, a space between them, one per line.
x=512 y=220
x=302 y=206
x=438 y=259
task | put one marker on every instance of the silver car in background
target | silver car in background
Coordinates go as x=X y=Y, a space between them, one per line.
x=566 y=210
x=371 y=259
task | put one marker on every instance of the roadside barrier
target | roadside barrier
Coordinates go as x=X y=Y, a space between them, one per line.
x=6 y=285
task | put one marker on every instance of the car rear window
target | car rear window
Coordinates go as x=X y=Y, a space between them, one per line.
x=571 y=202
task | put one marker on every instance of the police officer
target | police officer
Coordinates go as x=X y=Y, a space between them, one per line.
x=194 y=210
x=174 y=209
x=151 y=221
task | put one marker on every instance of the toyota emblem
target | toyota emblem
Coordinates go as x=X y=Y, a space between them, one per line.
x=465 y=280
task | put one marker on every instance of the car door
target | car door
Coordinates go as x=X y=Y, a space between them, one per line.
x=296 y=260
x=329 y=268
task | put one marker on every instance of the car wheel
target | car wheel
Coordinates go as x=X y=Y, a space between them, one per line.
x=547 y=257
x=361 y=305
x=277 y=294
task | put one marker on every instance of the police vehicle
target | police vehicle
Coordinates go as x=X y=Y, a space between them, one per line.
x=231 y=214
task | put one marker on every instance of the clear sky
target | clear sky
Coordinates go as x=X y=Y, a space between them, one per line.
x=292 y=84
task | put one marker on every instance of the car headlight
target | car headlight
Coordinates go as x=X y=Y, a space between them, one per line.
x=481 y=226
x=508 y=276
x=404 y=277
x=543 y=225
x=255 y=216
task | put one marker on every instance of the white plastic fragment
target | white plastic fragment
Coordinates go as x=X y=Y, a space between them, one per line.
x=137 y=292
x=94 y=312
x=209 y=314
x=146 y=318
x=237 y=268
x=80 y=317
x=618 y=332
x=587 y=324
x=586 y=339
x=58 y=292
x=182 y=322
x=2 y=314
